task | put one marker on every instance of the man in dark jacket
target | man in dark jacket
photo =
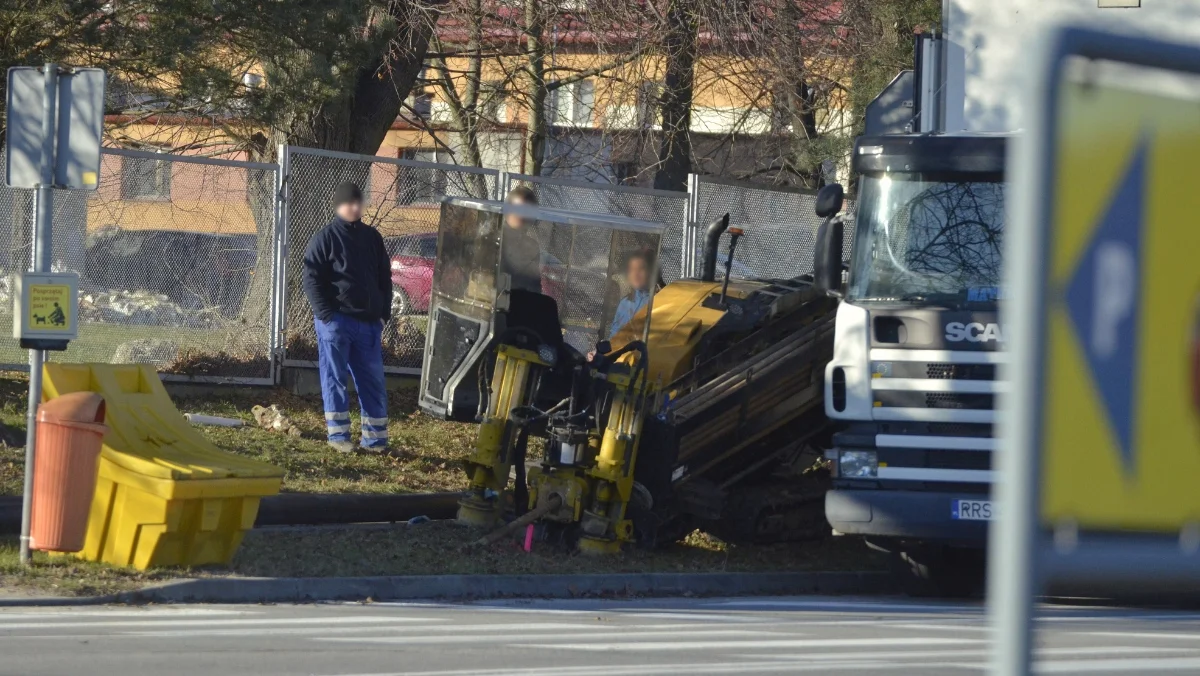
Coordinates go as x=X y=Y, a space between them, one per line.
x=347 y=278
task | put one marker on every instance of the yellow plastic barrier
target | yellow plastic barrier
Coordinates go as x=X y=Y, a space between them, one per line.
x=166 y=496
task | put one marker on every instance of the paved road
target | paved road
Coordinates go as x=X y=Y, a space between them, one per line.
x=579 y=638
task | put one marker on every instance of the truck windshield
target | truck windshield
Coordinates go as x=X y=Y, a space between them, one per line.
x=923 y=237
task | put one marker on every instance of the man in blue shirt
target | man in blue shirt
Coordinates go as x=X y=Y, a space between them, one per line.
x=637 y=274
x=348 y=281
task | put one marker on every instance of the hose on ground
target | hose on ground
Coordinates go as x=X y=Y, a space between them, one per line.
x=552 y=503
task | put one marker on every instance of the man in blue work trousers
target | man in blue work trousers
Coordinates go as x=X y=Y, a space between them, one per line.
x=347 y=278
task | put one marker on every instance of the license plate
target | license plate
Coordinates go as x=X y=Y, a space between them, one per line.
x=971 y=510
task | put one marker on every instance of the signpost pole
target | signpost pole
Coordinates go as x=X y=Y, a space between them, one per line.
x=1014 y=575
x=42 y=257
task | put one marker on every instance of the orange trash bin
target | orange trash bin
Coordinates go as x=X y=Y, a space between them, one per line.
x=70 y=432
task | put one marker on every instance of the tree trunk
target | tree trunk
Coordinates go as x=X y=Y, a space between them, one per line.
x=804 y=160
x=357 y=122
x=675 y=153
x=535 y=46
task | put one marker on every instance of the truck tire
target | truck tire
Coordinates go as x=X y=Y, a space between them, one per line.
x=937 y=571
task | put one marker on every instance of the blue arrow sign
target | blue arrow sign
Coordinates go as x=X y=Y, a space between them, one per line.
x=1103 y=300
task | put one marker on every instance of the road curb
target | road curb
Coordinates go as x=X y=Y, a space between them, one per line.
x=469 y=587
x=54 y=601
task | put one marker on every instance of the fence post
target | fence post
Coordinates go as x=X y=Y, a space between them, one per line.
x=502 y=186
x=690 y=227
x=278 y=345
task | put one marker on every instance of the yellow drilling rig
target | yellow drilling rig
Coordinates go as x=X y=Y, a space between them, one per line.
x=654 y=408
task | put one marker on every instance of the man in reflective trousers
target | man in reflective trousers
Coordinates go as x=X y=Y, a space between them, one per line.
x=347 y=278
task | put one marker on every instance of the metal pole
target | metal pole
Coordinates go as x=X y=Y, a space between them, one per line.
x=282 y=235
x=1015 y=543
x=42 y=256
x=691 y=220
x=502 y=187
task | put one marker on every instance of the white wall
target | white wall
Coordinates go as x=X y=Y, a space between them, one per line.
x=990 y=39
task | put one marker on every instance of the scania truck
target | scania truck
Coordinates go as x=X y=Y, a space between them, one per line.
x=919 y=344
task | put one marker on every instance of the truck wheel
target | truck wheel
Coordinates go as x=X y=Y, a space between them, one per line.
x=939 y=571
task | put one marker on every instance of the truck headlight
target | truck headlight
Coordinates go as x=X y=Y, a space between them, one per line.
x=858 y=465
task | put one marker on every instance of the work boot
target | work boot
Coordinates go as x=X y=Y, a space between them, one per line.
x=342 y=446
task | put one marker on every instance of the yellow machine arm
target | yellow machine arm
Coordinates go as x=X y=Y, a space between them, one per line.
x=488 y=467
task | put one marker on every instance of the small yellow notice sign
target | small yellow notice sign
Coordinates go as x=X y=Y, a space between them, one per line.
x=47 y=305
x=50 y=307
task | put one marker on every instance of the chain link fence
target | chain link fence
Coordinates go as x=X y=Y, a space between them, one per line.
x=182 y=265
x=402 y=199
x=645 y=204
x=174 y=262
x=780 y=227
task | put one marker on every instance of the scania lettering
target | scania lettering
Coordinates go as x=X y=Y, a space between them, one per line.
x=973 y=332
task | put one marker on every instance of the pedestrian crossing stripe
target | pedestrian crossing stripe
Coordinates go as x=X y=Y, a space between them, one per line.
x=1120 y=432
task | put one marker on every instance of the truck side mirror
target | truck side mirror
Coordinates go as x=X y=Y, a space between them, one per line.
x=827 y=258
x=830 y=199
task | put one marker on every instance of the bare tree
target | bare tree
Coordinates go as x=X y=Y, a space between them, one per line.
x=679 y=51
x=493 y=68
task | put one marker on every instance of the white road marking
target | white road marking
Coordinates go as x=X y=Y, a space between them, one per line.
x=649 y=646
x=1119 y=615
x=697 y=637
x=699 y=617
x=500 y=630
x=937 y=627
x=740 y=667
x=6 y=615
x=1130 y=666
x=866 y=606
x=221 y=622
x=481 y=631
x=975 y=652
x=1145 y=634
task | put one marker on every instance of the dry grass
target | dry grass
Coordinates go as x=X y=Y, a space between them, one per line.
x=427 y=456
x=426 y=451
x=428 y=549
x=437 y=548
x=65 y=576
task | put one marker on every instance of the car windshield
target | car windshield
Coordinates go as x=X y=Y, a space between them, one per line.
x=932 y=238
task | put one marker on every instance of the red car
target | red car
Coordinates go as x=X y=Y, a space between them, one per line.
x=413 y=258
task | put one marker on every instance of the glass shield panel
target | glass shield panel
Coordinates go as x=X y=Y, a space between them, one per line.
x=462 y=301
x=601 y=274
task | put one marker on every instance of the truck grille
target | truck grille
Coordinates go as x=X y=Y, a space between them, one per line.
x=943 y=371
x=975 y=402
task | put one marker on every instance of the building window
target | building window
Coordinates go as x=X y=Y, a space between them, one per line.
x=572 y=105
x=624 y=173
x=420 y=185
x=584 y=103
x=420 y=105
x=145 y=179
